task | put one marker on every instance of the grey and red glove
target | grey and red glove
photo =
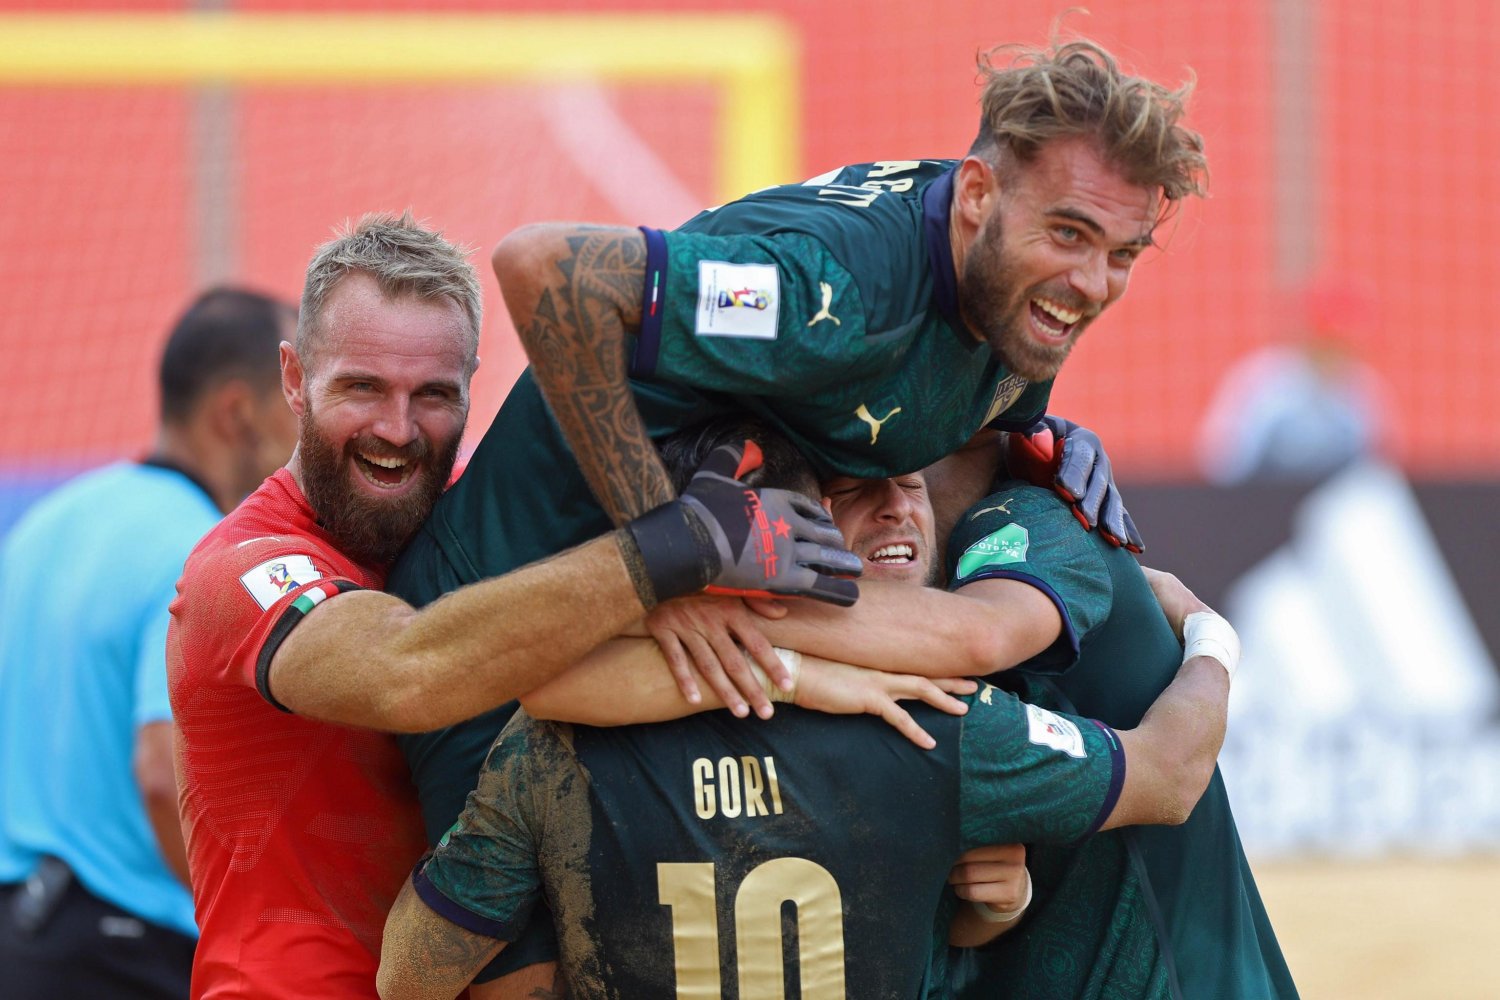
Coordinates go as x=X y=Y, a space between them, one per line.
x=1059 y=455
x=727 y=538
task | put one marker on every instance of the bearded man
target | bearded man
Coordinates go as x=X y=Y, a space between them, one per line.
x=285 y=661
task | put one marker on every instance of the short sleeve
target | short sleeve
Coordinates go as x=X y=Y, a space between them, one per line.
x=1029 y=774
x=238 y=603
x=759 y=315
x=1029 y=534
x=484 y=874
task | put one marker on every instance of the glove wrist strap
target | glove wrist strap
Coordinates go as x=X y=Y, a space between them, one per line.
x=676 y=554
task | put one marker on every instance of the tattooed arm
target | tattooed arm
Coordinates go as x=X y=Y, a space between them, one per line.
x=573 y=292
x=424 y=955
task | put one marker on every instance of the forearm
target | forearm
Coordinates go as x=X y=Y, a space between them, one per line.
x=369 y=659
x=1170 y=756
x=621 y=682
x=423 y=956
x=572 y=293
x=988 y=626
x=158 y=784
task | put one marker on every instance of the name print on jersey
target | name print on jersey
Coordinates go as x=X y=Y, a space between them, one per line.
x=735 y=786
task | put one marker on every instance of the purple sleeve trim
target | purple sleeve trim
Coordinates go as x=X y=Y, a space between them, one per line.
x=504 y=930
x=1116 y=778
x=648 y=342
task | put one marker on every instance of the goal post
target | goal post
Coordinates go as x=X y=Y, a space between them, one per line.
x=749 y=59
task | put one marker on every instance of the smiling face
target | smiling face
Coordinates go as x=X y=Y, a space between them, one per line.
x=382 y=403
x=1055 y=243
x=888 y=524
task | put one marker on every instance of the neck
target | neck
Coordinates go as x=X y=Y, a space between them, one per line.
x=182 y=448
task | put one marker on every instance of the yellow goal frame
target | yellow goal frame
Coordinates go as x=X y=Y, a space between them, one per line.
x=751 y=59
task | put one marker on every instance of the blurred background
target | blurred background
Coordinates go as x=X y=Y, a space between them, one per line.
x=1299 y=393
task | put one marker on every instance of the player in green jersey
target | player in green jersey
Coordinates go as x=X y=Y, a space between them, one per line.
x=669 y=850
x=878 y=315
x=1151 y=912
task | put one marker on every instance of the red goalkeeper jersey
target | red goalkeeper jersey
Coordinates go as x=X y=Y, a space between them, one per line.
x=299 y=833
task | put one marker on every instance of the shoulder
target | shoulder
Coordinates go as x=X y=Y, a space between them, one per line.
x=1003 y=526
x=840 y=211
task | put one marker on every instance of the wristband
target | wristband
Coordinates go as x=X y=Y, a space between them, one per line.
x=1205 y=633
x=993 y=916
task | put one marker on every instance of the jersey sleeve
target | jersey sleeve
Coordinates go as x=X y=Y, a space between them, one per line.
x=1026 y=410
x=1029 y=534
x=761 y=315
x=484 y=874
x=239 y=603
x=1029 y=774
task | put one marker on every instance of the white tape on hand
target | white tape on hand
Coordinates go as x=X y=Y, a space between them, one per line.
x=1205 y=633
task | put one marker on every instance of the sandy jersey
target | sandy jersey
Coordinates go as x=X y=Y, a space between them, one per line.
x=1091 y=927
x=669 y=852
x=299 y=832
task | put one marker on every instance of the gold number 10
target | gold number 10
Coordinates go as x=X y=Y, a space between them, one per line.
x=689 y=890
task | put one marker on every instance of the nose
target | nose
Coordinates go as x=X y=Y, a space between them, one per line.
x=1091 y=278
x=895 y=503
x=395 y=424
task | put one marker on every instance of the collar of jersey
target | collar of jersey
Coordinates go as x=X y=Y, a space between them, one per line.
x=937 y=202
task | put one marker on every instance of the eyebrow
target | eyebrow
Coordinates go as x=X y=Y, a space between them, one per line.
x=1089 y=223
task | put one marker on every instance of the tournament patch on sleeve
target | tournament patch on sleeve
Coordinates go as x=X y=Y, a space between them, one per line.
x=737 y=300
x=275 y=578
x=1002 y=547
x=1048 y=729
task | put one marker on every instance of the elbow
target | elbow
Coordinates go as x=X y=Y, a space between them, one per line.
x=987 y=648
x=1192 y=782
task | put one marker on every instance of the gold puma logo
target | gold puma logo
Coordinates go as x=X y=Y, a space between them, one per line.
x=986 y=696
x=864 y=414
x=1003 y=508
x=823 y=313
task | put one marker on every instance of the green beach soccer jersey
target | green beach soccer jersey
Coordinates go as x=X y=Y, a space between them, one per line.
x=670 y=852
x=1090 y=932
x=829 y=308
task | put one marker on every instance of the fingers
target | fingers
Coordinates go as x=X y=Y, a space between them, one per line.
x=833 y=590
x=900 y=719
x=712 y=672
x=922 y=689
x=956 y=685
x=758 y=648
x=737 y=668
x=823 y=559
x=679 y=664
x=766 y=607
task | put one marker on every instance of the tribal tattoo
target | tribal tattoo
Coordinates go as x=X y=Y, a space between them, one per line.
x=576 y=342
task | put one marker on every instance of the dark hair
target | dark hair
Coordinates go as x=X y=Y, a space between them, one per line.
x=226 y=333
x=784 y=466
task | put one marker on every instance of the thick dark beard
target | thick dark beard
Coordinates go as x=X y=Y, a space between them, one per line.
x=370 y=531
x=996 y=309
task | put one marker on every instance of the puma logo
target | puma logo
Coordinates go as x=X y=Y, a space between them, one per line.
x=864 y=414
x=823 y=313
x=1003 y=508
x=986 y=696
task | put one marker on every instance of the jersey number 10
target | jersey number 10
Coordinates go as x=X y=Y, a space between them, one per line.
x=688 y=889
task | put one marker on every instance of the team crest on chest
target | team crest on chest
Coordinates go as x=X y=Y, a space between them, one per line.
x=1007 y=392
